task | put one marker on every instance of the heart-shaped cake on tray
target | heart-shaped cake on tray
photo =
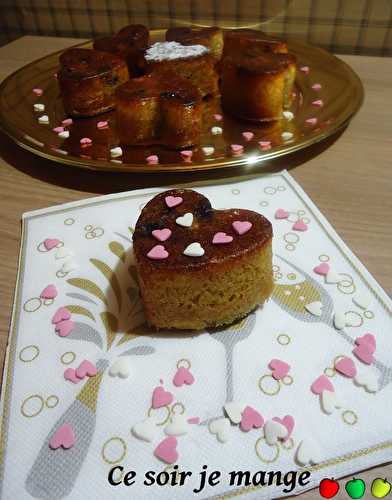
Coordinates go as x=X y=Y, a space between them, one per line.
x=199 y=267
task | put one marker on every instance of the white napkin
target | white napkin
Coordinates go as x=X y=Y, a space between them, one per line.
x=98 y=282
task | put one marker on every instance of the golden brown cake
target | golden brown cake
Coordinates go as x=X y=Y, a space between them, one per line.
x=211 y=37
x=159 y=108
x=88 y=79
x=252 y=42
x=265 y=82
x=129 y=43
x=199 y=267
x=193 y=62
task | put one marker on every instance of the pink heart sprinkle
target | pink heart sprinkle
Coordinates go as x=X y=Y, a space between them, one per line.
x=86 y=369
x=167 y=450
x=62 y=314
x=67 y=121
x=316 y=86
x=368 y=339
x=193 y=420
x=161 y=398
x=363 y=353
x=304 y=69
x=38 y=92
x=162 y=234
x=173 y=201
x=289 y=422
x=318 y=103
x=221 y=238
x=49 y=292
x=281 y=214
x=311 y=121
x=183 y=376
x=103 y=124
x=86 y=141
x=217 y=117
x=187 y=155
x=64 y=437
x=64 y=328
x=70 y=374
x=265 y=144
x=248 y=136
x=322 y=269
x=251 y=419
x=51 y=243
x=322 y=383
x=152 y=160
x=241 y=227
x=300 y=226
x=58 y=129
x=346 y=367
x=158 y=253
x=237 y=148
x=279 y=368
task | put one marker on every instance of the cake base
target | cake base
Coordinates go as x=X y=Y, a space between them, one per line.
x=190 y=300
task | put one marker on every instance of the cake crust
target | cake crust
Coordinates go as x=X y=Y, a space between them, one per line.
x=267 y=80
x=88 y=79
x=159 y=109
x=211 y=37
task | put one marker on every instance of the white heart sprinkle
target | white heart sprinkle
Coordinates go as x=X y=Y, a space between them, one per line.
x=63 y=252
x=185 y=220
x=146 y=430
x=329 y=401
x=194 y=250
x=339 y=320
x=178 y=426
x=220 y=428
x=64 y=134
x=115 y=152
x=314 y=308
x=208 y=150
x=362 y=300
x=286 y=136
x=121 y=368
x=43 y=119
x=273 y=431
x=216 y=130
x=332 y=277
x=234 y=411
x=308 y=452
x=368 y=380
x=39 y=107
x=288 y=115
x=69 y=265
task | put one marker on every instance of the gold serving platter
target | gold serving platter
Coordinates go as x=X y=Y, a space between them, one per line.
x=327 y=95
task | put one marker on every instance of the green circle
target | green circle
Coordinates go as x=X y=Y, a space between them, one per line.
x=123 y=453
x=49 y=398
x=32 y=357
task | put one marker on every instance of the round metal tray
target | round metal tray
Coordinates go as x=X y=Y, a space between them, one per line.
x=339 y=89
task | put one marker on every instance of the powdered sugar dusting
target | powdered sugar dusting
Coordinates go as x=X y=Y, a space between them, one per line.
x=165 y=51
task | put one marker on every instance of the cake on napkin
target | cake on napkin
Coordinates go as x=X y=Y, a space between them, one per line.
x=199 y=267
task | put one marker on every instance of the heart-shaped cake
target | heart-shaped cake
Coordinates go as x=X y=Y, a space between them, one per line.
x=199 y=267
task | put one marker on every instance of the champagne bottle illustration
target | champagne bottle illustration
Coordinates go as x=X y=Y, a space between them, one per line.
x=54 y=472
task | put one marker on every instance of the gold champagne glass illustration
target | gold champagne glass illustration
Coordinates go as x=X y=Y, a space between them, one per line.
x=288 y=297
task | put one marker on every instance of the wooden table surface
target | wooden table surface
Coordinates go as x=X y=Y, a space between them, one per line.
x=350 y=181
